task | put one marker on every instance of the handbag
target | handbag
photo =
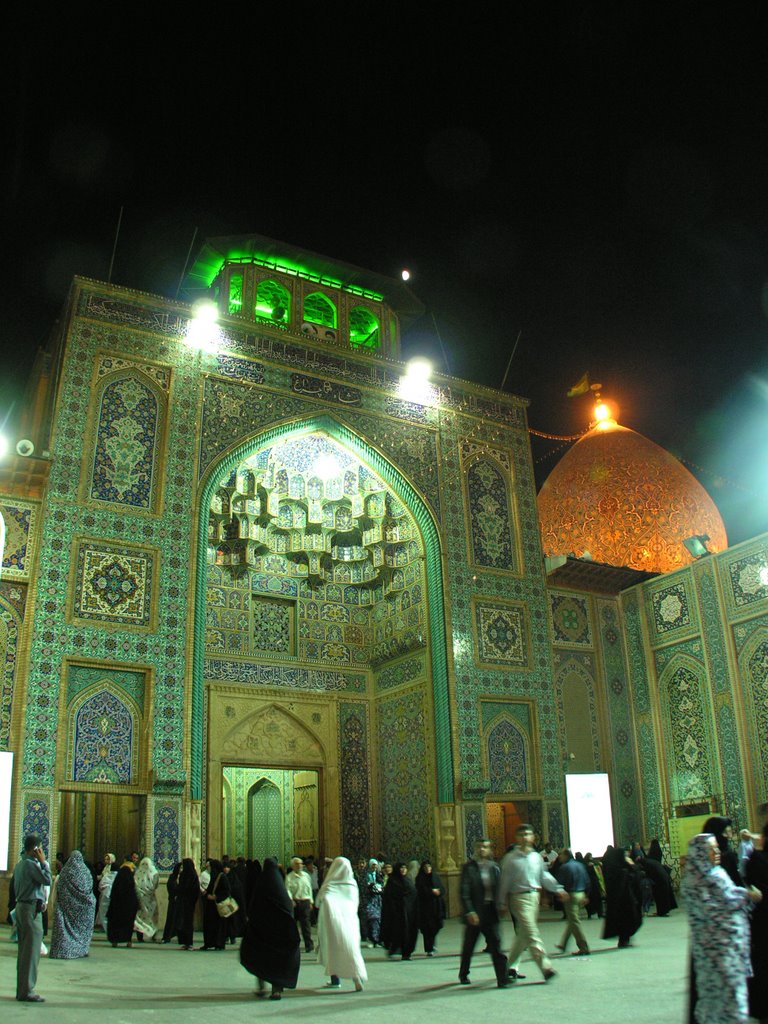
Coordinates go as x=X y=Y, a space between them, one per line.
x=227 y=907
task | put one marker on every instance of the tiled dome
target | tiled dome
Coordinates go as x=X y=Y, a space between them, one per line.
x=625 y=501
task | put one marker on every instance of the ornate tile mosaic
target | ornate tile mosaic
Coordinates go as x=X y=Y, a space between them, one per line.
x=570 y=619
x=671 y=609
x=20 y=518
x=354 y=765
x=688 y=734
x=747 y=579
x=402 y=672
x=406 y=802
x=166 y=833
x=103 y=740
x=506 y=751
x=130 y=414
x=273 y=625
x=290 y=676
x=12 y=604
x=473 y=828
x=626 y=792
x=82 y=677
x=113 y=583
x=490 y=520
x=501 y=634
x=37 y=820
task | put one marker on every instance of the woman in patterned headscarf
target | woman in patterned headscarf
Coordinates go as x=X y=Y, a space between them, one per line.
x=717 y=910
x=146 y=879
x=73 y=914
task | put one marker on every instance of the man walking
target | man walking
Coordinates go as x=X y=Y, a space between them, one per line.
x=299 y=887
x=523 y=876
x=30 y=876
x=479 y=894
x=575 y=879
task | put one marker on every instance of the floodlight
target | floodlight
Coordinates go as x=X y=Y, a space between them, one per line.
x=697 y=545
x=4 y=445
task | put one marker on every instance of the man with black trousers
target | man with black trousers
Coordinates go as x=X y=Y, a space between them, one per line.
x=479 y=891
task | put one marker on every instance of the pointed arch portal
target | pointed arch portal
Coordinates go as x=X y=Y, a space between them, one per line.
x=392 y=476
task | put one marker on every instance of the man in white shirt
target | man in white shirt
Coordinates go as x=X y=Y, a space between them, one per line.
x=523 y=876
x=299 y=886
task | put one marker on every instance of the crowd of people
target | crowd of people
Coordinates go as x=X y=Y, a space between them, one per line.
x=376 y=903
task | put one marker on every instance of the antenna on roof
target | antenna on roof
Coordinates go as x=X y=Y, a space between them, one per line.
x=114 y=247
x=509 y=361
x=186 y=262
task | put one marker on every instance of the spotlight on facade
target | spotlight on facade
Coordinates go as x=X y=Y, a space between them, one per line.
x=4 y=445
x=405 y=274
x=414 y=385
x=202 y=333
x=763 y=576
x=697 y=545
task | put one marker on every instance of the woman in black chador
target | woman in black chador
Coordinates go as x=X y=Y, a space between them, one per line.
x=623 y=909
x=658 y=873
x=187 y=894
x=431 y=894
x=270 y=946
x=215 y=927
x=123 y=905
x=400 y=909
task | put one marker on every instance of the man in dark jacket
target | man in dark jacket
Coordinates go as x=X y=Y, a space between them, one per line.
x=479 y=891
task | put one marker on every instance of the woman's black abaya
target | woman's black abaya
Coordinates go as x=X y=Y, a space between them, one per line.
x=757 y=875
x=123 y=905
x=215 y=927
x=270 y=946
x=623 y=910
x=187 y=896
x=400 y=905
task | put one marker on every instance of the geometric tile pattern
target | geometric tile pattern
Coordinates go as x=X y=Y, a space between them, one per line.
x=166 y=833
x=691 y=777
x=502 y=634
x=570 y=620
x=20 y=519
x=102 y=747
x=473 y=829
x=113 y=583
x=506 y=750
x=12 y=600
x=401 y=672
x=353 y=769
x=37 y=820
x=747 y=579
x=406 y=801
x=273 y=625
x=490 y=522
x=625 y=791
x=130 y=415
x=671 y=608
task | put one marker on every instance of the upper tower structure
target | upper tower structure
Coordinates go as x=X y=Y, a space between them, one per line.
x=284 y=286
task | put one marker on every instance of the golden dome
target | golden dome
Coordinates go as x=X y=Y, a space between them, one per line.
x=625 y=501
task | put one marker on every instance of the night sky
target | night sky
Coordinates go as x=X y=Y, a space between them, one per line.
x=592 y=179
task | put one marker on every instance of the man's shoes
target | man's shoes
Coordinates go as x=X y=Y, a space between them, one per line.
x=582 y=952
x=464 y=980
x=33 y=998
x=549 y=974
x=561 y=948
x=516 y=975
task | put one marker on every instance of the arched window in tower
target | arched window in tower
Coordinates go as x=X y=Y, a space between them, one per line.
x=363 y=329
x=318 y=309
x=273 y=303
x=235 y=300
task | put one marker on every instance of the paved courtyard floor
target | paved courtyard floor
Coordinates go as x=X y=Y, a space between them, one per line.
x=164 y=983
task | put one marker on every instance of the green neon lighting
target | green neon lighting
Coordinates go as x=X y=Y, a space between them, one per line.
x=434 y=575
x=319 y=310
x=235 y=293
x=363 y=329
x=295 y=269
x=271 y=296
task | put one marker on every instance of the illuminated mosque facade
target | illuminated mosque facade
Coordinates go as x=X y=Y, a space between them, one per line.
x=259 y=597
